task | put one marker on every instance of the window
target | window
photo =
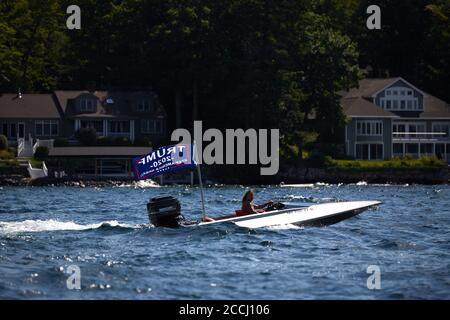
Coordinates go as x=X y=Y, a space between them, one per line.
x=5 y=129
x=119 y=127
x=369 y=151
x=408 y=130
x=376 y=151
x=409 y=104
x=151 y=126
x=87 y=105
x=12 y=130
x=398 y=130
x=412 y=148
x=158 y=126
x=442 y=129
x=147 y=126
x=400 y=99
x=143 y=105
x=369 y=128
x=96 y=124
x=397 y=149
x=46 y=127
x=426 y=149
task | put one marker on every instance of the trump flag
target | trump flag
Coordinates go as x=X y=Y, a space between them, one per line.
x=164 y=160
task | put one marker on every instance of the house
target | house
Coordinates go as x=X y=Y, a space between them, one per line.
x=32 y=120
x=391 y=118
x=22 y=115
x=133 y=115
x=112 y=113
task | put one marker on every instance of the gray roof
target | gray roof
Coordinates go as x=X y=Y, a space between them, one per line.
x=96 y=151
x=360 y=107
x=369 y=86
x=36 y=106
x=435 y=108
x=121 y=108
x=357 y=101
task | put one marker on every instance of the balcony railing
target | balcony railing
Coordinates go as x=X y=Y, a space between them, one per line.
x=420 y=136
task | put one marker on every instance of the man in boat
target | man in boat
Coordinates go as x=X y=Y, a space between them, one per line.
x=248 y=207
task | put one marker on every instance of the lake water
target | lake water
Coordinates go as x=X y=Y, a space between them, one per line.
x=105 y=233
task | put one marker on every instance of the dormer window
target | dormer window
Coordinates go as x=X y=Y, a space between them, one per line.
x=87 y=105
x=143 y=105
x=400 y=99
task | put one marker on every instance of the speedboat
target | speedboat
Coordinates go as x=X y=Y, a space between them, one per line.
x=166 y=212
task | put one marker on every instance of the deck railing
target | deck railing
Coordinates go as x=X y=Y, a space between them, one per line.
x=420 y=136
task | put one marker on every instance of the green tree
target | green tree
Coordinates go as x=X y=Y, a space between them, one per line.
x=31 y=45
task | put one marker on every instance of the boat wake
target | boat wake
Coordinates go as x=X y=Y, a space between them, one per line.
x=142 y=184
x=284 y=227
x=55 y=225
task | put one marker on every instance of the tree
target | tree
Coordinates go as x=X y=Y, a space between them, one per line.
x=32 y=48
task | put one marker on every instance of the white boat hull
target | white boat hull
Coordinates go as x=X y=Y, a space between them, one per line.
x=314 y=215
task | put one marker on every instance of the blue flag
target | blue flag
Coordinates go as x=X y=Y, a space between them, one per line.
x=164 y=160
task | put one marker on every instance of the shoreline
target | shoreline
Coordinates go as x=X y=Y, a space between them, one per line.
x=302 y=176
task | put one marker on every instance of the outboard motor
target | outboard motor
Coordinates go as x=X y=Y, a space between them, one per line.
x=164 y=212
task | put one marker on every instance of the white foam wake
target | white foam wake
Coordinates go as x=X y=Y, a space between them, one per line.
x=53 y=225
x=142 y=184
x=284 y=227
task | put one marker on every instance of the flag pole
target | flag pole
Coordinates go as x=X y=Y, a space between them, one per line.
x=200 y=182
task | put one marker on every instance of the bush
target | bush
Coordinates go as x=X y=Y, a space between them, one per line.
x=60 y=142
x=41 y=153
x=432 y=161
x=105 y=141
x=9 y=153
x=122 y=141
x=143 y=142
x=407 y=162
x=3 y=142
x=87 y=136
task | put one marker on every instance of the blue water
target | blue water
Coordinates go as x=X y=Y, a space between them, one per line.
x=105 y=232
